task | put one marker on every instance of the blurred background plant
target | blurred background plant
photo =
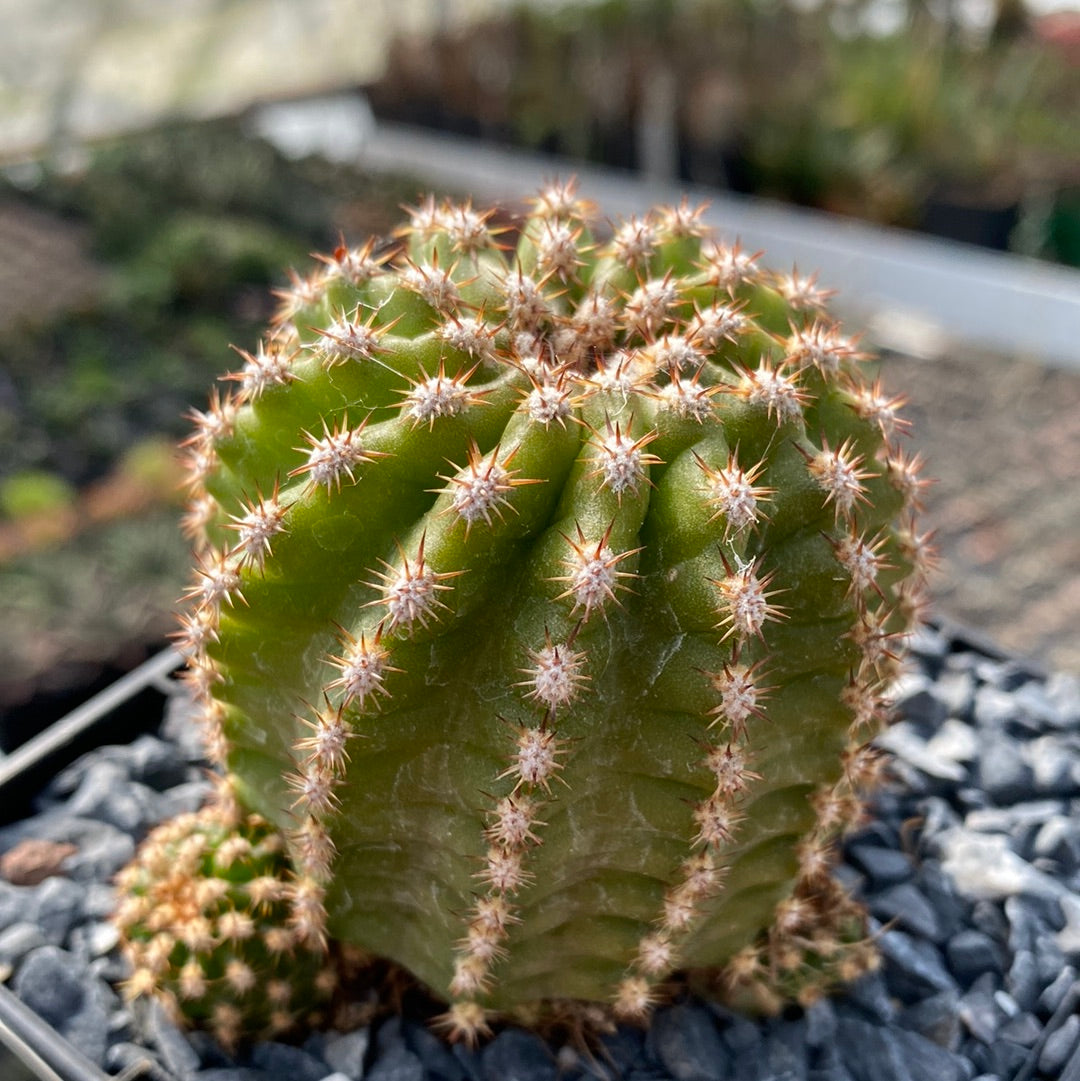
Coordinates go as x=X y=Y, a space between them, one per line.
x=949 y=118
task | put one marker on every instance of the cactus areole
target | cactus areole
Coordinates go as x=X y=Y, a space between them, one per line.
x=549 y=581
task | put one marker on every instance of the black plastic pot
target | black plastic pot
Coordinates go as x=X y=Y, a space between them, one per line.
x=30 y=1049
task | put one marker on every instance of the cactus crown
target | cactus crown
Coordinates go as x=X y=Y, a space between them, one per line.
x=546 y=597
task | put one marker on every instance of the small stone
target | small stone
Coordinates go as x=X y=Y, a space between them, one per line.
x=1023 y=1029
x=34 y=860
x=1052 y=760
x=882 y=866
x=176 y=1052
x=1004 y=773
x=914 y=966
x=738 y=1033
x=821 y=1023
x=989 y=918
x=134 y=1061
x=892 y=1054
x=984 y=867
x=1008 y=1057
x=915 y=697
x=936 y=1019
x=686 y=1042
x=956 y=689
x=107 y=794
x=972 y=952
x=955 y=741
x=1059 y=1046
x=1022 y=980
x=57 y=986
x=346 y=1052
x=1068 y=938
x=785 y=1050
x=904 y=906
x=94 y=938
x=903 y=741
x=980 y=1015
x=1062 y=691
x=58 y=906
x=1035 y=707
x=1058 y=838
x=18 y=940
x=870 y=995
x=285 y=1061
x=517 y=1055
x=993 y=708
x=1054 y=994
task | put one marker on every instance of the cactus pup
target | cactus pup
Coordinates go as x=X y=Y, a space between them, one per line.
x=547 y=596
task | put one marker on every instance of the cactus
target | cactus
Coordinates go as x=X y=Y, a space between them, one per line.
x=207 y=922
x=546 y=598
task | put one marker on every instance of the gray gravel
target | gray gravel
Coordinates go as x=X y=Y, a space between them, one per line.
x=970 y=868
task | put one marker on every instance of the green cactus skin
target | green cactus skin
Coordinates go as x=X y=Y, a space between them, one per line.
x=207 y=922
x=546 y=600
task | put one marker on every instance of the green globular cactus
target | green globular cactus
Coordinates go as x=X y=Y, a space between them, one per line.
x=207 y=922
x=547 y=598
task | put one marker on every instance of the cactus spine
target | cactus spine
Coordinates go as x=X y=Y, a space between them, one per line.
x=546 y=600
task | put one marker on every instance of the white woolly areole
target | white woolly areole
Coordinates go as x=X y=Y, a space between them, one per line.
x=334 y=457
x=547 y=403
x=593 y=581
x=717 y=322
x=745 y=602
x=433 y=284
x=839 y=476
x=860 y=560
x=479 y=490
x=438 y=396
x=686 y=399
x=622 y=464
x=264 y=369
x=778 y=392
x=555 y=676
x=412 y=597
x=346 y=340
x=732 y=493
x=739 y=695
x=362 y=670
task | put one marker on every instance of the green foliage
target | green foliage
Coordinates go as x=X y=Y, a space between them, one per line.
x=34 y=491
x=546 y=597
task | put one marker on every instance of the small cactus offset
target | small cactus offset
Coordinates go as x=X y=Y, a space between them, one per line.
x=547 y=597
x=207 y=922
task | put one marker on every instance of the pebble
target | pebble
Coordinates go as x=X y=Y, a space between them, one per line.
x=345 y=1052
x=685 y=1041
x=172 y=1045
x=907 y=908
x=284 y=1061
x=972 y=860
x=1059 y=1046
x=56 y=986
x=972 y=952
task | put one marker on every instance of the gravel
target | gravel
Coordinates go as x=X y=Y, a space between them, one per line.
x=969 y=866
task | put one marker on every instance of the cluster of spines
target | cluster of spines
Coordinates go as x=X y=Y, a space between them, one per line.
x=570 y=337
x=206 y=918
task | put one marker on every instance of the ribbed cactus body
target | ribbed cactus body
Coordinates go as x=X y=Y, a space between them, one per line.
x=545 y=596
